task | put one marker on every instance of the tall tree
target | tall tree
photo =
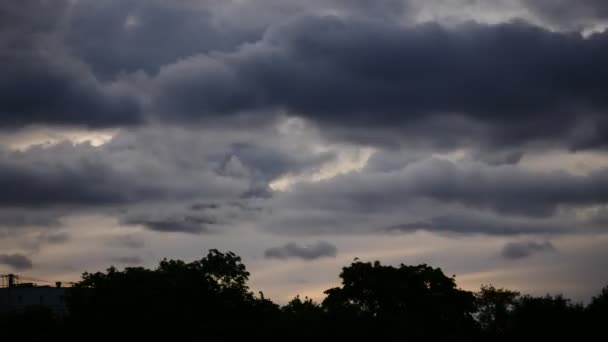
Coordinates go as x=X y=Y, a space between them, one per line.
x=406 y=300
x=494 y=307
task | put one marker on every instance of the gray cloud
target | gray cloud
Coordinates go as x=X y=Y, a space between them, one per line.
x=46 y=237
x=53 y=74
x=62 y=174
x=141 y=165
x=569 y=14
x=370 y=81
x=18 y=262
x=37 y=90
x=140 y=35
x=15 y=217
x=129 y=260
x=472 y=222
x=185 y=224
x=54 y=237
x=141 y=182
x=128 y=241
x=365 y=81
x=145 y=35
x=268 y=164
x=383 y=79
x=153 y=177
x=214 y=100
x=519 y=250
x=506 y=189
x=442 y=196
x=291 y=250
x=42 y=83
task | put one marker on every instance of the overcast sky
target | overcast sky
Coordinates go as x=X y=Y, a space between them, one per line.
x=469 y=135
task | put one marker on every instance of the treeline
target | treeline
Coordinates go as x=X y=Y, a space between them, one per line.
x=209 y=298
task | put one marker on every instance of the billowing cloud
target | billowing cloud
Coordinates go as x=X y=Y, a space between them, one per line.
x=518 y=250
x=144 y=179
x=145 y=35
x=140 y=165
x=375 y=82
x=170 y=127
x=290 y=250
x=43 y=83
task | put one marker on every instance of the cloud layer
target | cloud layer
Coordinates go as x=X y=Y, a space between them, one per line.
x=361 y=80
x=165 y=127
x=290 y=250
x=519 y=250
x=17 y=262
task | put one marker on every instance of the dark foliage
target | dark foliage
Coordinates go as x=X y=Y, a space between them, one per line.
x=494 y=308
x=209 y=298
x=404 y=301
x=546 y=318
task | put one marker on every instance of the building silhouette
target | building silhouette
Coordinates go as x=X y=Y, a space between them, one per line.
x=16 y=296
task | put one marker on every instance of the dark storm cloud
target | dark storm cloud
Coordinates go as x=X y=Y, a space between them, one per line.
x=137 y=35
x=519 y=250
x=36 y=89
x=81 y=62
x=489 y=88
x=42 y=83
x=30 y=17
x=18 y=262
x=371 y=81
x=144 y=35
x=291 y=250
x=502 y=84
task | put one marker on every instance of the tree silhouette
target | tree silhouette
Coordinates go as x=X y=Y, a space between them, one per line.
x=596 y=314
x=494 y=307
x=305 y=318
x=546 y=318
x=211 y=293
x=209 y=298
x=412 y=300
x=306 y=308
x=34 y=323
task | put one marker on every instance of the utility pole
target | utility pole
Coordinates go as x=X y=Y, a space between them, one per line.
x=11 y=280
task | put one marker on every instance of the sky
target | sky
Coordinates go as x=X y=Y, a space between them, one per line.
x=468 y=135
